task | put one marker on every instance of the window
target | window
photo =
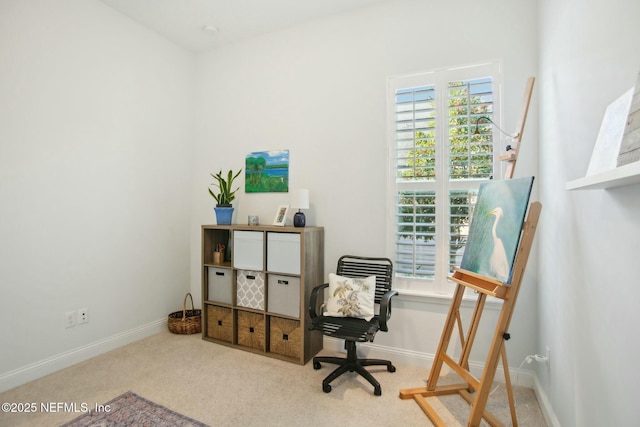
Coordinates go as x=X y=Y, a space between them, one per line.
x=440 y=153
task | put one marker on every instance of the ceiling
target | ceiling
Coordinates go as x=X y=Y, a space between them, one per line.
x=184 y=21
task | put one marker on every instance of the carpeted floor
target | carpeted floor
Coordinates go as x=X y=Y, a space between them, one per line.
x=222 y=386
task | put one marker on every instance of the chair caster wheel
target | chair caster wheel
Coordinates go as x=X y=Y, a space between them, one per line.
x=391 y=368
x=316 y=365
x=326 y=388
x=377 y=391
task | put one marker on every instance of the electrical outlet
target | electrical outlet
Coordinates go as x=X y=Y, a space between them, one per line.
x=83 y=316
x=69 y=319
x=548 y=359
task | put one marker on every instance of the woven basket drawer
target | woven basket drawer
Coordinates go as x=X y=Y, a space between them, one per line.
x=251 y=330
x=219 y=323
x=285 y=337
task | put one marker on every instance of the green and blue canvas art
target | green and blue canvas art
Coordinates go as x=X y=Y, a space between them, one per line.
x=496 y=227
x=267 y=172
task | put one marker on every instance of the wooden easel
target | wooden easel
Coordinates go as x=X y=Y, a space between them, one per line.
x=511 y=155
x=485 y=286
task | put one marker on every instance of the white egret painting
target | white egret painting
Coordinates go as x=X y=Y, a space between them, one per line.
x=495 y=228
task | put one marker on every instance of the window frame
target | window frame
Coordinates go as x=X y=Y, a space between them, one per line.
x=440 y=286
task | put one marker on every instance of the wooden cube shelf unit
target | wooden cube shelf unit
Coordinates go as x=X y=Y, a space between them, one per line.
x=256 y=290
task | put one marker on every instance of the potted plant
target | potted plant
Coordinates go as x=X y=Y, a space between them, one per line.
x=224 y=196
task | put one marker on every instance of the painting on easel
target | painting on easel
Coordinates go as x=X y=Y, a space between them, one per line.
x=496 y=226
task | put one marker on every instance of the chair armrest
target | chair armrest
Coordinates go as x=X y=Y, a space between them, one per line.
x=385 y=309
x=313 y=302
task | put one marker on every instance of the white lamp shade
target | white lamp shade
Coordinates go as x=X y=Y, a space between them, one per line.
x=300 y=199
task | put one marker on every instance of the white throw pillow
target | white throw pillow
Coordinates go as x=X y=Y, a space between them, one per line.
x=350 y=297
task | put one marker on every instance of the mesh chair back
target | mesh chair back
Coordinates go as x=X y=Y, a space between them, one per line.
x=382 y=268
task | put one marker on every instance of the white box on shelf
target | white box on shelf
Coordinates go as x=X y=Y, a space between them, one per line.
x=248 y=250
x=220 y=285
x=283 y=252
x=284 y=295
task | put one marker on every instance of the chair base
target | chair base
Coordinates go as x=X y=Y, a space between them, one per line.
x=351 y=364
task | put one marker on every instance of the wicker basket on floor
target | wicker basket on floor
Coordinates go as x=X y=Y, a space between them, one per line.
x=185 y=322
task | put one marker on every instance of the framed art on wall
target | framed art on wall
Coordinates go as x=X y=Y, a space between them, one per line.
x=607 y=147
x=267 y=172
x=630 y=145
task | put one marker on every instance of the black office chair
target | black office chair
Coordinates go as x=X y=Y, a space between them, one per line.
x=352 y=329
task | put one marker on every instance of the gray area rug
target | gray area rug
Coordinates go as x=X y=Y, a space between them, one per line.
x=129 y=409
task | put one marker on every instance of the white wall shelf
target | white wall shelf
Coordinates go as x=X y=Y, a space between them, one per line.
x=618 y=177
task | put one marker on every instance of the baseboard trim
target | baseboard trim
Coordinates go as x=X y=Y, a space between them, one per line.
x=414 y=358
x=47 y=366
x=545 y=404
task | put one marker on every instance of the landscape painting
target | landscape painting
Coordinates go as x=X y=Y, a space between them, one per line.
x=267 y=172
x=495 y=228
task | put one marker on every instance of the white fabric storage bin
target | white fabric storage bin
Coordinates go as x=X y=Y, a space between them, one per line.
x=220 y=285
x=283 y=252
x=284 y=295
x=250 y=290
x=248 y=250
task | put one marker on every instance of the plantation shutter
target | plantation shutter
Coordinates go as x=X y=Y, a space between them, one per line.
x=416 y=233
x=436 y=182
x=461 y=203
x=415 y=133
x=470 y=153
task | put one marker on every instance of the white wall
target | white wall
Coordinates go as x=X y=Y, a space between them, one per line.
x=319 y=90
x=588 y=284
x=96 y=123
